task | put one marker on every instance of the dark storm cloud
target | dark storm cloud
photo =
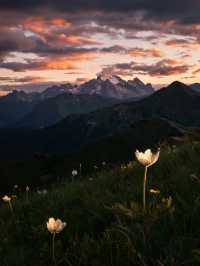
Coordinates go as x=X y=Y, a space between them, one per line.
x=114 y=49
x=186 y=10
x=20 y=67
x=26 y=79
x=44 y=49
x=162 y=69
x=110 y=16
x=165 y=67
x=14 y=40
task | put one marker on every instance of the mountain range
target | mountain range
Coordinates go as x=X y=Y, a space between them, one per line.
x=36 y=110
x=177 y=105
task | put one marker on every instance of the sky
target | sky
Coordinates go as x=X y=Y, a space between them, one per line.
x=44 y=42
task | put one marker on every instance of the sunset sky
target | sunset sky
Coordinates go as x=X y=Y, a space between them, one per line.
x=47 y=41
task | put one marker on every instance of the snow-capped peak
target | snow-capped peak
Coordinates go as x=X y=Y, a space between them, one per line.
x=111 y=86
x=138 y=82
x=113 y=79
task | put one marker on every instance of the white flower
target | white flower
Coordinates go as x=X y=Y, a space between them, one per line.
x=55 y=226
x=42 y=192
x=147 y=158
x=15 y=186
x=74 y=172
x=154 y=191
x=27 y=188
x=6 y=198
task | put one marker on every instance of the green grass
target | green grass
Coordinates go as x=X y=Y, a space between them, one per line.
x=105 y=221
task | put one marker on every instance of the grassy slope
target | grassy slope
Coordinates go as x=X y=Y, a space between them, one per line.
x=101 y=232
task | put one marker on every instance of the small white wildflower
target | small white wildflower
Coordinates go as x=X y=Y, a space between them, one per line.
x=55 y=226
x=147 y=158
x=6 y=198
x=74 y=172
x=44 y=191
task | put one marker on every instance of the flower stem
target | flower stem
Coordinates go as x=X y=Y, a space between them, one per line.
x=144 y=188
x=80 y=169
x=11 y=207
x=27 y=196
x=53 y=247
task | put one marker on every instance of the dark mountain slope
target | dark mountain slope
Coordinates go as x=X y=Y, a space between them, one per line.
x=177 y=103
x=52 y=110
x=195 y=87
x=56 y=90
x=15 y=106
x=142 y=134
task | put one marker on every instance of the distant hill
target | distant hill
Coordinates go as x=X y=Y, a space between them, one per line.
x=25 y=143
x=54 y=109
x=56 y=90
x=196 y=87
x=15 y=106
x=142 y=134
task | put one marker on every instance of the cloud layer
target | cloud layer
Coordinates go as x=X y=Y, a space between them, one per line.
x=126 y=37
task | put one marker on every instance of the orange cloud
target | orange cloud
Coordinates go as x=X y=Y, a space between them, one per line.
x=76 y=40
x=58 y=65
x=183 y=43
x=59 y=22
x=55 y=62
x=197 y=71
x=140 y=52
x=172 y=62
x=41 y=25
x=54 y=31
x=67 y=62
x=26 y=79
x=30 y=79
